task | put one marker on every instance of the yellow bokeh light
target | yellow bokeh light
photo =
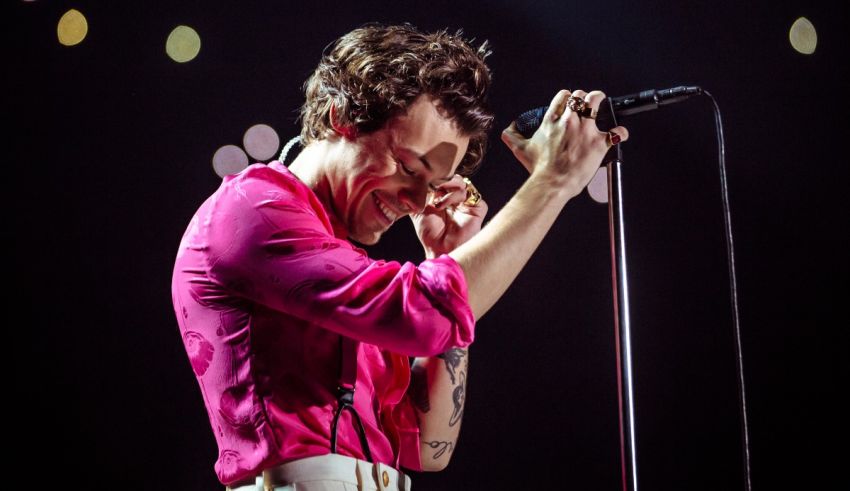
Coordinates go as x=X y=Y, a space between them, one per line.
x=72 y=28
x=183 y=44
x=803 y=36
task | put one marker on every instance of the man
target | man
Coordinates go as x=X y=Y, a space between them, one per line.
x=299 y=340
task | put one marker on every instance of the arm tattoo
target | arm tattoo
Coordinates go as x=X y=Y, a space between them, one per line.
x=443 y=448
x=419 y=389
x=452 y=358
x=458 y=397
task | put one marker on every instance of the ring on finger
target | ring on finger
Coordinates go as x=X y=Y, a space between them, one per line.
x=576 y=104
x=588 y=112
x=473 y=196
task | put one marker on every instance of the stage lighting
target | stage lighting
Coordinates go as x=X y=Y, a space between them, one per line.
x=229 y=159
x=261 y=142
x=183 y=44
x=803 y=36
x=72 y=28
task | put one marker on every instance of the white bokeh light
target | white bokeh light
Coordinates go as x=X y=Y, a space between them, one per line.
x=598 y=186
x=229 y=159
x=261 y=142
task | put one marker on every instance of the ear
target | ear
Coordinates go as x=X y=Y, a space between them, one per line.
x=349 y=132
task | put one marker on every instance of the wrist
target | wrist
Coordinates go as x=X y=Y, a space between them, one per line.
x=559 y=187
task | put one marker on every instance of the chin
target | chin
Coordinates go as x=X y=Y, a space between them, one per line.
x=370 y=241
x=366 y=239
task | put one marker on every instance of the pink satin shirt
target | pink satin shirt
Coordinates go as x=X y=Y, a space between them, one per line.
x=263 y=286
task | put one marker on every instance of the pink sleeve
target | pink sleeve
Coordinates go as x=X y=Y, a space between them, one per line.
x=268 y=245
x=406 y=426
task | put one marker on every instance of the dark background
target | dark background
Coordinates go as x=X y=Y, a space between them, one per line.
x=111 y=155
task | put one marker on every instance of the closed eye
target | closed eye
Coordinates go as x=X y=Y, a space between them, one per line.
x=410 y=172
x=407 y=170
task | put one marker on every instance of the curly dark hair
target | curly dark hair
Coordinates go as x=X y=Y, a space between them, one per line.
x=375 y=72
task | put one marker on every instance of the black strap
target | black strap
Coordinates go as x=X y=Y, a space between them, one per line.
x=345 y=391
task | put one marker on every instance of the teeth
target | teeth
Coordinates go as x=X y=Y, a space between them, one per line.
x=387 y=213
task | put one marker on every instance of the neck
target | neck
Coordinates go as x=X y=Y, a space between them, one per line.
x=313 y=166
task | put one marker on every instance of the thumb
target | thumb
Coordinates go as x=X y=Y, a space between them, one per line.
x=512 y=137
x=517 y=143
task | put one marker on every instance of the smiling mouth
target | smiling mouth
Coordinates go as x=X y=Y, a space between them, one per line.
x=385 y=210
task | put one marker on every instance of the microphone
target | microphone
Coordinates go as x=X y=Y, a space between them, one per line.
x=613 y=107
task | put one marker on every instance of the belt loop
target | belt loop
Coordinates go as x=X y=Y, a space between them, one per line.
x=268 y=485
x=361 y=479
x=378 y=472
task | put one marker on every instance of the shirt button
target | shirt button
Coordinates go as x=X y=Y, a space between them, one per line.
x=386 y=478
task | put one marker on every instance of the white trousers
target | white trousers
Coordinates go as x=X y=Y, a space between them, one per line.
x=330 y=472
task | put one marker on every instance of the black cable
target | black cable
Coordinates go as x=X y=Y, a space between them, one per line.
x=733 y=291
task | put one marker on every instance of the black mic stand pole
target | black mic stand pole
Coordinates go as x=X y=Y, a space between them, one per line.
x=622 y=326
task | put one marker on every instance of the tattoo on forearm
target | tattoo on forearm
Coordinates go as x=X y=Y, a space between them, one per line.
x=453 y=357
x=419 y=389
x=458 y=398
x=442 y=446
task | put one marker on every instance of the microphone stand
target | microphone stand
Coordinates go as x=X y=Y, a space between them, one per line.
x=622 y=326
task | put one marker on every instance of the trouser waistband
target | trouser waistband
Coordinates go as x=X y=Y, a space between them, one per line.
x=332 y=467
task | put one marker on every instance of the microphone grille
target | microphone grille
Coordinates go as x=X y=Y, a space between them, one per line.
x=528 y=122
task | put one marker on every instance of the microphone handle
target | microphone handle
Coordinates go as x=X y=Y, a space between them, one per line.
x=528 y=122
x=611 y=107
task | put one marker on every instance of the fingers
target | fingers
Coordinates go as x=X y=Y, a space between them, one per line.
x=594 y=100
x=557 y=106
x=453 y=195
x=450 y=193
x=617 y=135
x=568 y=128
x=577 y=94
x=478 y=210
x=585 y=105
x=574 y=110
x=580 y=94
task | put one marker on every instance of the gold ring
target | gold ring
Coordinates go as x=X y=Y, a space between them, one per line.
x=473 y=196
x=576 y=104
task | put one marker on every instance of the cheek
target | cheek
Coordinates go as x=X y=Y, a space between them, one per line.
x=380 y=169
x=374 y=174
x=377 y=161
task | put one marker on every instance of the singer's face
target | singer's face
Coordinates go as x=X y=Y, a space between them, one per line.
x=392 y=172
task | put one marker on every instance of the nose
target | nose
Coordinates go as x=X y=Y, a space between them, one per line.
x=415 y=197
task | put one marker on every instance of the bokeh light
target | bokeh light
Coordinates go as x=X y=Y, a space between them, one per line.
x=183 y=44
x=598 y=186
x=72 y=28
x=803 y=36
x=261 y=142
x=229 y=159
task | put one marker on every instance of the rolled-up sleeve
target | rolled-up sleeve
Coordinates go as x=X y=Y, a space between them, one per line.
x=268 y=243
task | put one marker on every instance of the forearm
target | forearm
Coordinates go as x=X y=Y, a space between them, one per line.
x=494 y=257
x=438 y=389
